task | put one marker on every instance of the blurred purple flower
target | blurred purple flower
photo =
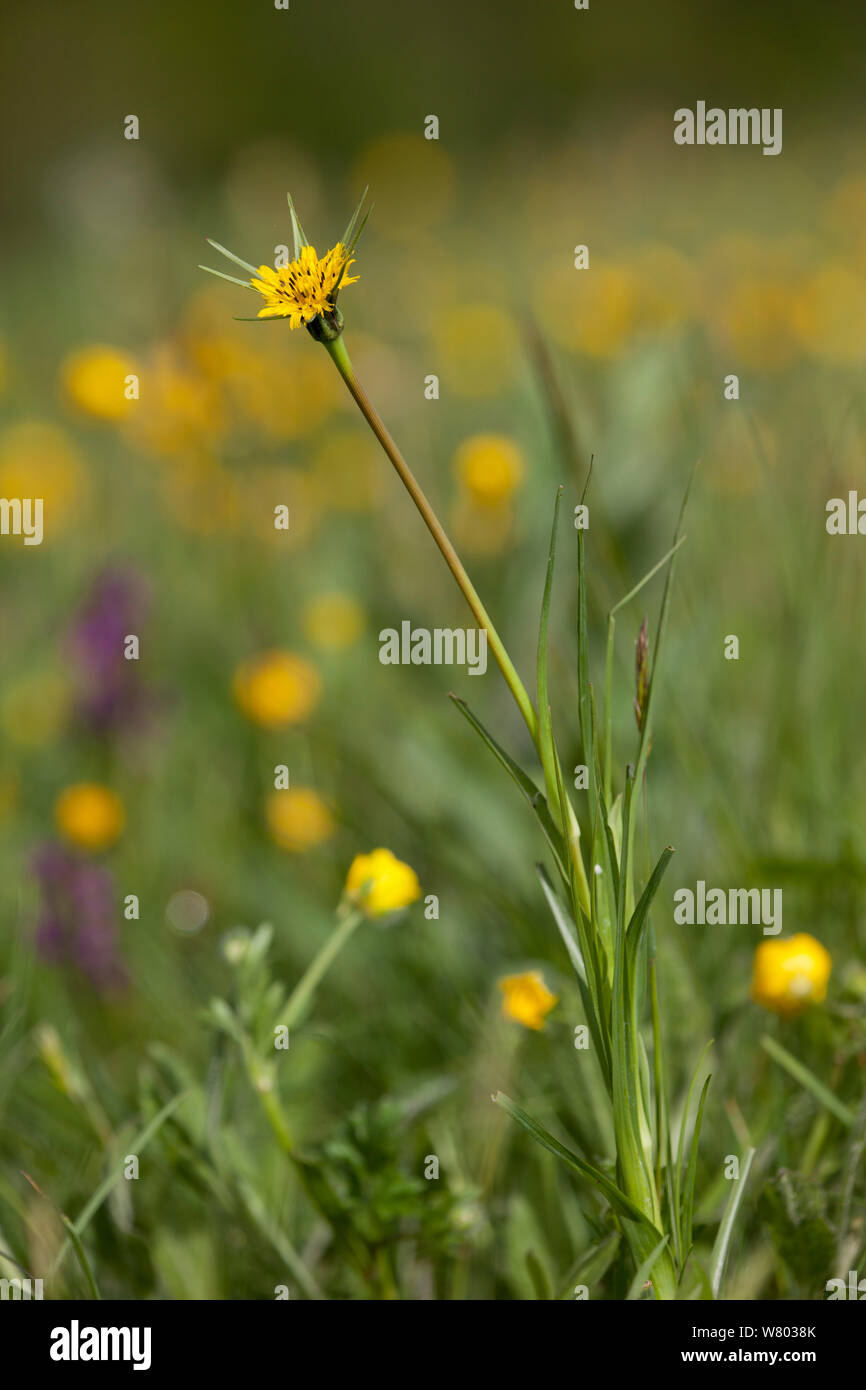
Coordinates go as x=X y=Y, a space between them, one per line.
x=110 y=694
x=77 y=920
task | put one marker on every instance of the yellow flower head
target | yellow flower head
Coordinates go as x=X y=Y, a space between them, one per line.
x=526 y=999
x=791 y=973
x=298 y=819
x=89 y=815
x=276 y=688
x=304 y=291
x=306 y=287
x=490 y=467
x=95 y=380
x=379 y=882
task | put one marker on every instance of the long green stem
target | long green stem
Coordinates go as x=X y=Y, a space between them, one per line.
x=306 y=986
x=337 y=349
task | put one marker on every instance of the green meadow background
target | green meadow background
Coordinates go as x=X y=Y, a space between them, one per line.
x=555 y=129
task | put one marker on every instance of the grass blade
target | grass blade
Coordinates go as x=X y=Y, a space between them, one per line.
x=719 y=1257
x=545 y=731
x=564 y=925
x=618 y=1199
x=688 y=1210
x=635 y=1288
x=676 y=1214
x=530 y=792
x=808 y=1080
x=136 y=1145
x=75 y=1240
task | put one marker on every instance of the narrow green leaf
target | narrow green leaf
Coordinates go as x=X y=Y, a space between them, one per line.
x=808 y=1080
x=545 y=733
x=719 y=1256
x=635 y=1288
x=231 y=256
x=650 y=574
x=232 y=279
x=608 y=678
x=539 y=1276
x=563 y=924
x=618 y=1200
x=271 y=1231
x=678 y=1166
x=691 y=1171
x=136 y=1145
x=640 y=916
x=530 y=792
x=298 y=236
x=590 y=1266
x=81 y=1257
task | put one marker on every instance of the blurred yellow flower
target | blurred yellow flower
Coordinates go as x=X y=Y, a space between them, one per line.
x=89 y=815
x=40 y=460
x=490 y=468
x=275 y=688
x=790 y=973
x=33 y=709
x=185 y=408
x=94 y=380
x=757 y=320
x=333 y=621
x=594 y=311
x=304 y=288
x=526 y=999
x=829 y=314
x=378 y=882
x=478 y=347
x=298 y=819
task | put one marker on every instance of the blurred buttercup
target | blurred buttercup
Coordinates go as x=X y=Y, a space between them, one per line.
x=526 y=999
x=790 y=974
x=95 y=380
x=379 y=883
x=276 y=688
x=89 y=815
x=298 y=819
x=490 y=467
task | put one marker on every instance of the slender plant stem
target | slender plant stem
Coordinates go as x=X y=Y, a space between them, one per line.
x=337 y=349
x=306 y=986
